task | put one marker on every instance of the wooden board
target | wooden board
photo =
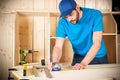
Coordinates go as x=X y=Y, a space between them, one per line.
x=16 y=5
x=110 y=43
x=23 y=36
x=106 y=5
x=92 y=72
x=6 y=43
x=118 y=48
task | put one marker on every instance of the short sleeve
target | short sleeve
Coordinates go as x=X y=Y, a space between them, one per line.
x=60 y=32
x=98 y=22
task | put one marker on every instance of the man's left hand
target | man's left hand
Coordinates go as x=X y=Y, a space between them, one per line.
x=78 y=66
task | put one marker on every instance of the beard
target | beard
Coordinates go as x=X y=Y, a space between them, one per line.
x=76 y=19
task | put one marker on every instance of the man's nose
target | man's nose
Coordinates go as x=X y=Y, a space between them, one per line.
x=70 y=18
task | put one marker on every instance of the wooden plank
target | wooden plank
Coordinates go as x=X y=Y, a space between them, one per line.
x=7 y=26
x=67 y=55
x=118 y=48
x=38 y=5
x=39 y=37
x=17 y=41
x=41 y=13
x=98 y=72
x=104 y=5
x=110 y=42
x=12 y=6
x=53 y=25
x=25 y=34
x=50 y=5
x=90 y=3
x=57 y=4
x=47 y=40
x=80 y=2
x=109 y=21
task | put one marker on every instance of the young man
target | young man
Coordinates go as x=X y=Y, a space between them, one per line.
x=84 y=28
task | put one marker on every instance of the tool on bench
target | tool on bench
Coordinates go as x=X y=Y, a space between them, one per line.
x=56 y=66
x=38 y=69
x=24 y=53
x=9 y=74
x=43 y=68
x=24 y=70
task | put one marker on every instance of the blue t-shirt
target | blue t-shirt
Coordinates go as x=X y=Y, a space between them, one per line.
x=81 y=33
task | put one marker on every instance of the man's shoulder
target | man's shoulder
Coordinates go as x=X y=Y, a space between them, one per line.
x=62 y=20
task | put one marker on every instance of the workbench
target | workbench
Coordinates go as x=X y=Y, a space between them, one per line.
x=91 y=72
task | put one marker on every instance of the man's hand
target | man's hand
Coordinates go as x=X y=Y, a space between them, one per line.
x=79 y=66
x=50 y=66
x=54 y=66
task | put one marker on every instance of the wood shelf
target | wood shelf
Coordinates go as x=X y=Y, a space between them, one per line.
x=109 y=34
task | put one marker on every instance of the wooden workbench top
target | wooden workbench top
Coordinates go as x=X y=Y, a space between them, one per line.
x=92 y=72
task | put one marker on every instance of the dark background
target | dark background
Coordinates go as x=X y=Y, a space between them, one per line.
x=115 y=8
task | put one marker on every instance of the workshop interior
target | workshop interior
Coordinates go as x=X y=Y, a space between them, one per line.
x=28 y=34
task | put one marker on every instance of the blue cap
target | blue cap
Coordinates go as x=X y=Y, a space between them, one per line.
x=66 y=7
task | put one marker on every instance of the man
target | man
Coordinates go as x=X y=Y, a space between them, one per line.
x=84 y=28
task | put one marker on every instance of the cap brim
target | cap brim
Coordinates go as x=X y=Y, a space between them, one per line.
x=66 y=13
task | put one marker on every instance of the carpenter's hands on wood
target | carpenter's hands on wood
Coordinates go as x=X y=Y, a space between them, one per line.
x=79 y=66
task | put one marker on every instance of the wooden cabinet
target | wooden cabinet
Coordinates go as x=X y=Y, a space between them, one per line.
x=32 y=33
x=110 y=36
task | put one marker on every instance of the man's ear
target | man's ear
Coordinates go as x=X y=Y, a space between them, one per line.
x=77 y=7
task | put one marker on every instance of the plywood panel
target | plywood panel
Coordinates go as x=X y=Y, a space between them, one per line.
x=80 y=2
x=119 y=53
x=47 y=40
x=118 y=48
x=54 y=17
x=67 y=52
x=6 y=43
x=32 y=34
x=90 y=3
x=104 y=5
x=52 y=44
x=39 y=5
x=110 y=42
x=16 y=5
x=46 y=5
x=109 y=23
x=53 y=26
x=25 y=34
x=39 y=38
x=17 y=40
x=50 y=5
x=57 y=5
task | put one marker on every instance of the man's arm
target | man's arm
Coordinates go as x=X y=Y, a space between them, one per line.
x=57 y=50
x=97 y=37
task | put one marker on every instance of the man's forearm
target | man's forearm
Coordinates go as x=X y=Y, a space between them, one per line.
x=97 y=38
x=91 y=54
x=57 y=53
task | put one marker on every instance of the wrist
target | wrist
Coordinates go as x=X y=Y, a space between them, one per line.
x=83 y=64
x=53 y=63
x=56 y=66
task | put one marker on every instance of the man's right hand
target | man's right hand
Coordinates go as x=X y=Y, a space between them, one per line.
x=54 y=66
x=50 y=66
